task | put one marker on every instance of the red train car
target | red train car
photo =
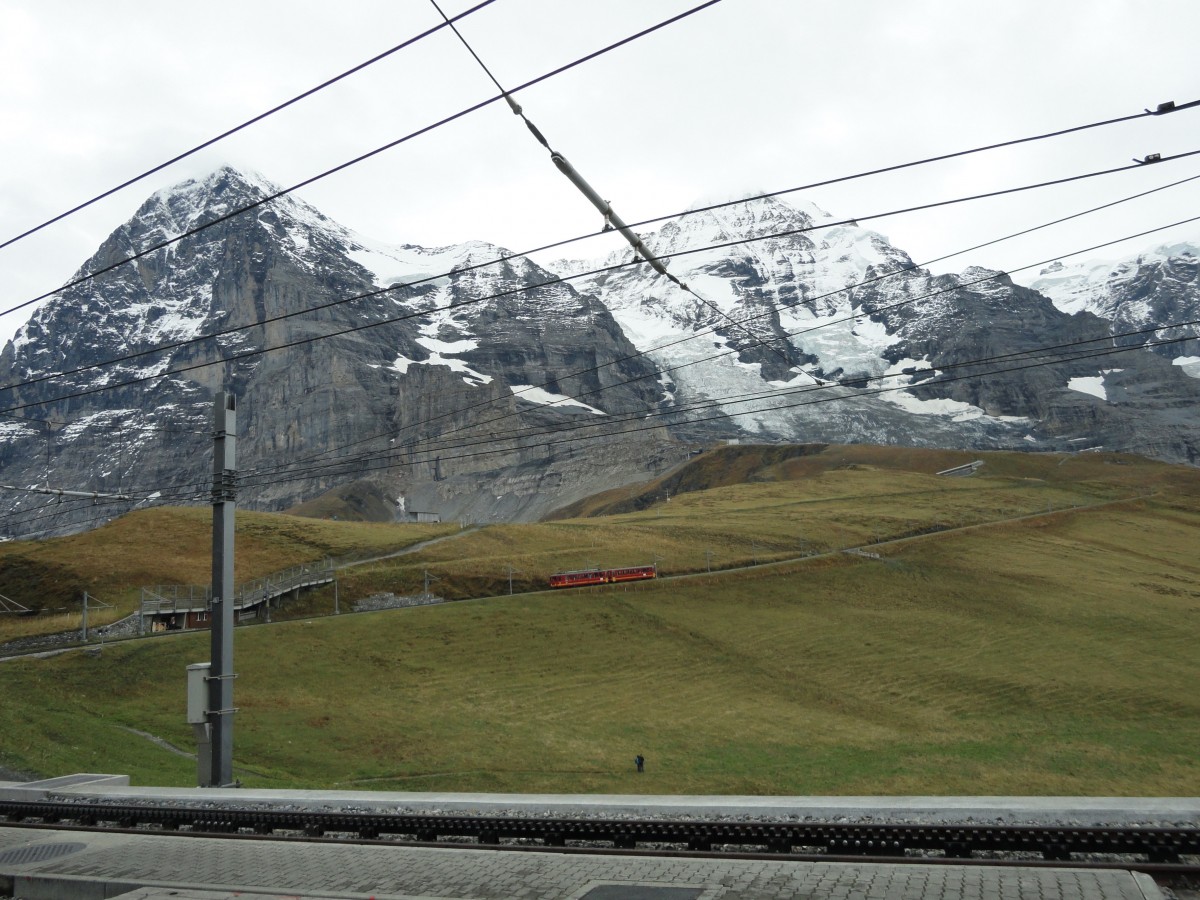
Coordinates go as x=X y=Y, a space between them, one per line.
x=585 y=577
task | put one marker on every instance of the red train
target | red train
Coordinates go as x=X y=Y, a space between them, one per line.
x=602 y=576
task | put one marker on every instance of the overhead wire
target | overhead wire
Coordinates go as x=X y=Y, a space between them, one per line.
x=61 y=529
x=112 y=426
x=252 y=121
x=16 y=521
x=611 y=219
x=1162 y=109
x=753 y=337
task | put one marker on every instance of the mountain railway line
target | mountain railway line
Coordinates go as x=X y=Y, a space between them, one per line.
x=1172 y=852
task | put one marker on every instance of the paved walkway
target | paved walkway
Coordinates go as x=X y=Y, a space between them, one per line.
x=65 y=865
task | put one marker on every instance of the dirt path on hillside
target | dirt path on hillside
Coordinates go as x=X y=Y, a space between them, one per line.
x=158 y=742
x=413 y=549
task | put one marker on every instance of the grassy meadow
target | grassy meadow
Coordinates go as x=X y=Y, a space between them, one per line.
x=1052 y=654
x=170 y=545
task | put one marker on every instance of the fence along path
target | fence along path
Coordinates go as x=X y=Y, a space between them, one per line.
x=168 y=599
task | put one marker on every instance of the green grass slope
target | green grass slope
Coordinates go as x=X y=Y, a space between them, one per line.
x=1055 y=654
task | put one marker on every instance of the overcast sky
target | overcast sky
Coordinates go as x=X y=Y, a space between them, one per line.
x=745 y=96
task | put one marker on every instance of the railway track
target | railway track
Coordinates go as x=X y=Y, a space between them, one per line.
x=1159 y=851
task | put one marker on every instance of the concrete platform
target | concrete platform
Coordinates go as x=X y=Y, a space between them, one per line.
x=63 y=865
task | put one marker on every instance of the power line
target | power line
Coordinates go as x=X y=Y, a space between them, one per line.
x=64 y=423
x=330 y=471
x=18 y=519
x=32 y=535
x=550 y=283
x=94 y=496
x=1162 y=109
x=722 y=415
x=611 y=219
x=526 y=253
x=246 y=124
x=358 y=159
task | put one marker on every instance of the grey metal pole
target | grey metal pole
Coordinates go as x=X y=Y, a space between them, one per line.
x=85 y=599
x=224 y=496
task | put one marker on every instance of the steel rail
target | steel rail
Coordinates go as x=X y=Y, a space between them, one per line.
x=1159 y=850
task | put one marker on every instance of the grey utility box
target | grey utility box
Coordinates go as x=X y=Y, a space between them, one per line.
x=197 y=693
x=197 y=716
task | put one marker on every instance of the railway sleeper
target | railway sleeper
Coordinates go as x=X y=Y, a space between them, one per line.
x=864 y=847
x=215 y=826
x=1162 y=853
x=958 y=850
x=1060 y=852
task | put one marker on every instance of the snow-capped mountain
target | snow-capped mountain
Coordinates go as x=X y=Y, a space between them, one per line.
x=840 y=337
x=420 y=388
x=1137 y=296
x=481 y=386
